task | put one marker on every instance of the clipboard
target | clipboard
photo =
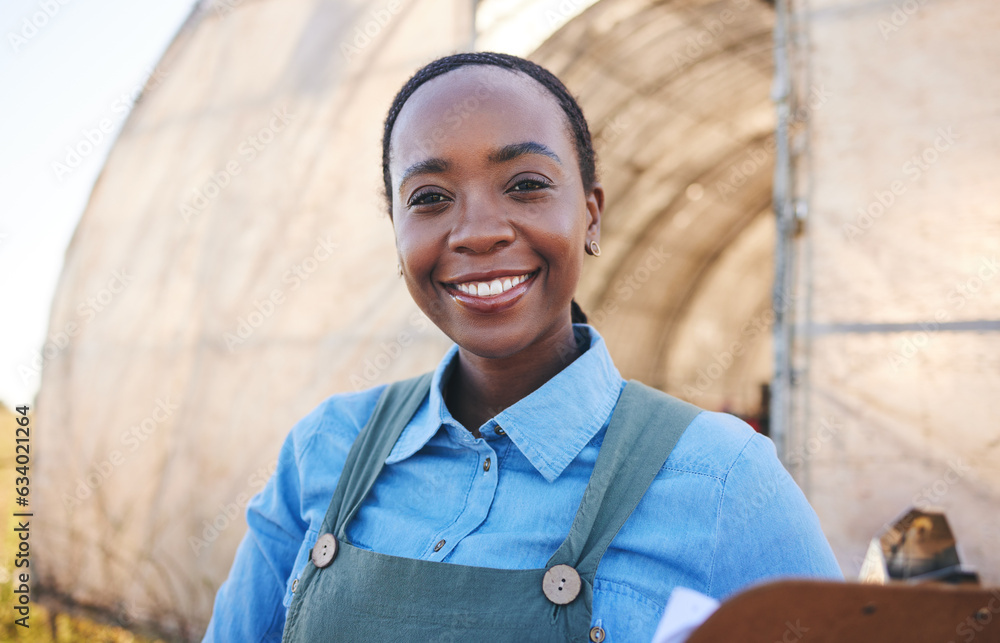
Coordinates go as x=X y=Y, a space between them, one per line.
x=794 y=611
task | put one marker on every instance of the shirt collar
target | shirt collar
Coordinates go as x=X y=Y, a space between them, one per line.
x=550 y=426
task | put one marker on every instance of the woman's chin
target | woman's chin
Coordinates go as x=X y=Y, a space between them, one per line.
x=489 y=349
x=488 y=342
x=506 y=341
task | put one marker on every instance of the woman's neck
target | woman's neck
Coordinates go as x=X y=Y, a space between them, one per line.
x=481 y=387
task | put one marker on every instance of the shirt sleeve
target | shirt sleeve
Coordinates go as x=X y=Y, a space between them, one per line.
x=767 y=529
x=248 y=606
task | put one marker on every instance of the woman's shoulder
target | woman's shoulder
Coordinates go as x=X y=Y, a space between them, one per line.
x=714 y=442
x=337 y=419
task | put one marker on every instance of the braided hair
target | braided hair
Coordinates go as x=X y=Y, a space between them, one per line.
x=574 y=115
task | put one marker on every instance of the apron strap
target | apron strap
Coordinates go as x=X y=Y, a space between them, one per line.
x=644 y=428
x=396 y=406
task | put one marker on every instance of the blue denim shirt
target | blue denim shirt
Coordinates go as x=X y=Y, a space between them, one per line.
x=721 y=514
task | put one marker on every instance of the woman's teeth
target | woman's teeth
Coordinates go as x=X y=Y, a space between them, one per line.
x=490 y=288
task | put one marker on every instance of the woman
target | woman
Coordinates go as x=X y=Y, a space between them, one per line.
x=521 y=491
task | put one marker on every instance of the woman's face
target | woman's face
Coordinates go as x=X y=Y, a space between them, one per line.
x=489 y=210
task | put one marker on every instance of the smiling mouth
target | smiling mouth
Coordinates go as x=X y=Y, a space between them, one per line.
x=493 y=296
x=493 y=287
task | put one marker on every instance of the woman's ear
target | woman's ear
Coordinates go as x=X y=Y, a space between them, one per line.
x=595 y=206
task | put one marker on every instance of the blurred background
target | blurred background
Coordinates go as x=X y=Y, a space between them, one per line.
x=801 y=228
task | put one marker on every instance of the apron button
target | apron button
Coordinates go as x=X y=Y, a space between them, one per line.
x=596 y=634
x=324 y=552
x=561 y=584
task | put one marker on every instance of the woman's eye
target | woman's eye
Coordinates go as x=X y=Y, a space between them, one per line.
x=529 y=185
x=427 y=198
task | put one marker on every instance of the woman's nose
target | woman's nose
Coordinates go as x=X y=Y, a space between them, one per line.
x=481 y=228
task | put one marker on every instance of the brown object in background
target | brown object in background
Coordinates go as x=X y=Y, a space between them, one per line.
x=830 y=612
x=918 y=547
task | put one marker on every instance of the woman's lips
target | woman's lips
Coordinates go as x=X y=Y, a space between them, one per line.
x=510 y=290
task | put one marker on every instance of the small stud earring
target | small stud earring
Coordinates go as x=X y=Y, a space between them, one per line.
x=399 y=270
x=594 y=248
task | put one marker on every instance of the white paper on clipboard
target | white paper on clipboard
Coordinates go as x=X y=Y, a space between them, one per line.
x=686 y=610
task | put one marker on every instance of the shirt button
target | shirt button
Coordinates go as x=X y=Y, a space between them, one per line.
x=295 y=585
x=501 y=431
x=439 y=545
x=596 y=634
x=486 y=465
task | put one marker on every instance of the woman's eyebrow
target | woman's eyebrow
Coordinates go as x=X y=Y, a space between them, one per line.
x=511 y=152
x=429 y=166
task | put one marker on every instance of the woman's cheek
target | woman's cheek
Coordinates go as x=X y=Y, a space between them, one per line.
x=409 y=243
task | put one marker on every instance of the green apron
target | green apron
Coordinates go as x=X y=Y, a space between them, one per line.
x=351 y=594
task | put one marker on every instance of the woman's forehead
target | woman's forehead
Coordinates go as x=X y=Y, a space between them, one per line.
x=472 y=103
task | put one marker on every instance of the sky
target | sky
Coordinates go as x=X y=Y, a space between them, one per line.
x=68 y=68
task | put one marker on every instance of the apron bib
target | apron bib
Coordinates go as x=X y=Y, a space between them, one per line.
x=351 y=594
